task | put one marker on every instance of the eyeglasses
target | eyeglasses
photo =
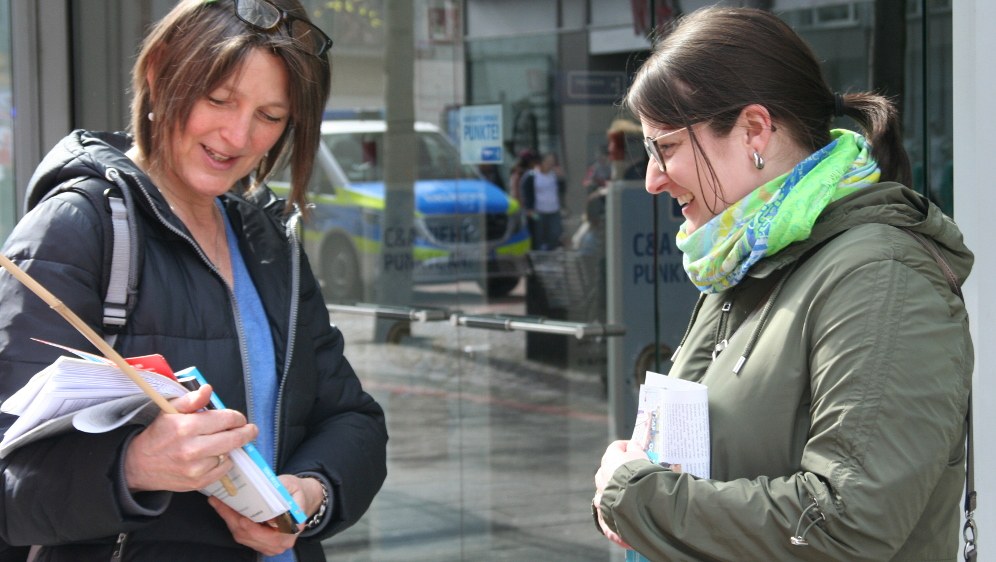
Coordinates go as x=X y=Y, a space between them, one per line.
x=654 y=150
x=263 y=15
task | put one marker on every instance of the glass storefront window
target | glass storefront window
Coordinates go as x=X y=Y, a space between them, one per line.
x=844 y=37
x=492 y=431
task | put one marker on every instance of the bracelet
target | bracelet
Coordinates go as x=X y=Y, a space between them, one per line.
x=315 y=519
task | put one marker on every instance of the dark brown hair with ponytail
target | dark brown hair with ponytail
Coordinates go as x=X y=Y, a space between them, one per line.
x=716 y=61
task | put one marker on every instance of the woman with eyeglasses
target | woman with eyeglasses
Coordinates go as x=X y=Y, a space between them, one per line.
x=830 y=331
x=225 y=92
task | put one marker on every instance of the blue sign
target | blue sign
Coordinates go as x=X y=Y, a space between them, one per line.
x=480 y=134
x=491 y=154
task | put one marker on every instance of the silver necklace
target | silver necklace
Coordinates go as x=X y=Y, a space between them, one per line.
x=215 y=257
x=217 y=236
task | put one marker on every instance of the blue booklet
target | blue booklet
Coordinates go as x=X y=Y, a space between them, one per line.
x=250 y=469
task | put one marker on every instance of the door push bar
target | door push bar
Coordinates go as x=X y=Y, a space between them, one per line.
x=503 y=322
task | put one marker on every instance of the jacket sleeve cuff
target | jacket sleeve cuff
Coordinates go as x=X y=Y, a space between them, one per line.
x=141 y=504
x=626 y=473
x=329 y=511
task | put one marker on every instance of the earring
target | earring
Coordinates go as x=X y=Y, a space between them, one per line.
x=758 y=161
x=151 y=116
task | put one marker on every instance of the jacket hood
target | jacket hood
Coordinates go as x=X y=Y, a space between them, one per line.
x=81 y=154
x=884 y=203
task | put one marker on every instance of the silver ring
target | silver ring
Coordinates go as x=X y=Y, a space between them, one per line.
x=221 y=460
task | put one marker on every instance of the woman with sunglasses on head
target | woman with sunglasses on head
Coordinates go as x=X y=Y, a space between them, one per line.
x=834 y=345
x=224 y=93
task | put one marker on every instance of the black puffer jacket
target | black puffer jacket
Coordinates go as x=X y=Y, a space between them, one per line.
x=68 y=490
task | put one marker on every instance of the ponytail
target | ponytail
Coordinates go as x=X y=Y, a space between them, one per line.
x=877 y=115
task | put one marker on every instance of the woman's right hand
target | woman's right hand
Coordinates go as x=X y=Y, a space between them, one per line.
x=186 y=451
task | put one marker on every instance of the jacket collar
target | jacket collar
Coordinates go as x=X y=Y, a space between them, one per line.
x=884 y=203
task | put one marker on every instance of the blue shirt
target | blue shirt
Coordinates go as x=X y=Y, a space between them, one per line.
x=262 y=378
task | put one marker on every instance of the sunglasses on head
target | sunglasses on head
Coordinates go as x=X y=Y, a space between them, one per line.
x=263 y=15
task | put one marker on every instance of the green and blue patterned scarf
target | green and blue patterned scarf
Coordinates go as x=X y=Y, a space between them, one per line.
x=719 y=253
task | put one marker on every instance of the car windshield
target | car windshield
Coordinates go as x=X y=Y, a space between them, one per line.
x=361 y=156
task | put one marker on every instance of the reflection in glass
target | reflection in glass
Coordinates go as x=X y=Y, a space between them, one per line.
x=8 y=206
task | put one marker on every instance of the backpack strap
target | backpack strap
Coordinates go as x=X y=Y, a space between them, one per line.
x=116 y=296
x=969 y=531
x=121 y=273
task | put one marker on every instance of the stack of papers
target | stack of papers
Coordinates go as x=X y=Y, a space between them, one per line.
x=92 y=395
x=672 y=423
x=66 y=387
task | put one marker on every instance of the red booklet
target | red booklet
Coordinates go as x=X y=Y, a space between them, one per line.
x=154 y=363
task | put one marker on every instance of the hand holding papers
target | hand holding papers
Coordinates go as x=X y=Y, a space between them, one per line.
x=94 y=396
x=93 y=338
x=672 y=426
x=55 y=406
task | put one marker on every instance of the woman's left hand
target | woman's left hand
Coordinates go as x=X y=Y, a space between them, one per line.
x=262 y=537
x=617 y=454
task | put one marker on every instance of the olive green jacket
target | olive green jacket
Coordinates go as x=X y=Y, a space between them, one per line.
x=847 y=409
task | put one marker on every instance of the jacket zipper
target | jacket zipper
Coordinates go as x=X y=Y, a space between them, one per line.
x=243 y=354
x=688 y=328
x=291 y=326
x=118 y=553
x=722 y=328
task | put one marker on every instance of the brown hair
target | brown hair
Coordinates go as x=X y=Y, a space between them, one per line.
x=717 y=60
x=205 y=40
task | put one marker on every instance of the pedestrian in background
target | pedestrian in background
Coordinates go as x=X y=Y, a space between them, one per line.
x=599 y=172
x=543 y=190
x=523 y=164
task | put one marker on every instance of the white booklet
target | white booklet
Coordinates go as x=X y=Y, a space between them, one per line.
x=672 y=423
x=92 y=396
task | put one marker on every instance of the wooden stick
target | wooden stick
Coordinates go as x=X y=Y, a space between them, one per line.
x=98 y=341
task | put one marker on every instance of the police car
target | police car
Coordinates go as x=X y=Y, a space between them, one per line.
x=463 y=227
